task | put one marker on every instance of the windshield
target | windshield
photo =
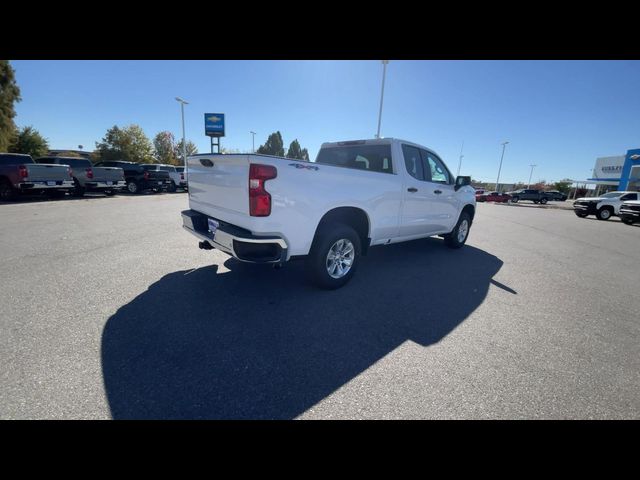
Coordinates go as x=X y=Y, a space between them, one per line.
x=612 y=195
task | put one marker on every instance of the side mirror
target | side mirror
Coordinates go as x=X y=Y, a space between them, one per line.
x=462 y=181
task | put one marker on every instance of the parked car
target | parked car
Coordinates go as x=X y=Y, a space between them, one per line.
x=140 y=176
x=535 y=196
x=19 y=174
x=556 y=195
x=266 y=209
x=177 y=178
x=630 y=212
x=184 y=183
x=494 y=197
x=604 y=206
x=87 y=178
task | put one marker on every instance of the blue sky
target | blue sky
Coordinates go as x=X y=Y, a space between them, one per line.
x=560 y=115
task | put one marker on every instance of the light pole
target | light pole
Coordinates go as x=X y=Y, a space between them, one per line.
x=530 y=174
x=460 y=161
x=253 y=142
x=184 y=141
x=504 y=144
x=384 y=74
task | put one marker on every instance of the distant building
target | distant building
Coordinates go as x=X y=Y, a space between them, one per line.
x=58 y=152
x=621 y=172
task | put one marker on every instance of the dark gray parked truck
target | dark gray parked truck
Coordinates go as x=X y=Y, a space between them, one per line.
x=88 y=178
x=535 y=196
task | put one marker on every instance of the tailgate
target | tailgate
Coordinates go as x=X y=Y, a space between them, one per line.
x=44 y=171
x=105 y=174
x=219 y=182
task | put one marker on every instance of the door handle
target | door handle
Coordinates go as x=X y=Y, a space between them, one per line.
x=437 y=192
x=412 y=189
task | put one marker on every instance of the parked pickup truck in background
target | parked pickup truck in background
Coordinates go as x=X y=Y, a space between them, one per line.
x=556 y=195
x=184 y=183
x=87 y=178
x=630 y=212
x=356 y=194
x=177 y=178
x=535 y=196
x=20 y=174
x=140 y=177
x=604 y=206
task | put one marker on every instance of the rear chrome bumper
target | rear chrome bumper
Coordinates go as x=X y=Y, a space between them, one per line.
x=100 y=185
x=236 y=241
x=44 y=185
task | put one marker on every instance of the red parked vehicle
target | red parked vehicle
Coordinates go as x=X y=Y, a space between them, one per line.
x=493 y=197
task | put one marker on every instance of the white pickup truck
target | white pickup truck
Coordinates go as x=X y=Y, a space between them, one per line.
x=356 y=194
x=604 y=206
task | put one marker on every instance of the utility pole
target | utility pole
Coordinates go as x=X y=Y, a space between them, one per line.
x=460 y=160
x=253 y=142
x=384 y=74
x=504 y=144
x=530 y=174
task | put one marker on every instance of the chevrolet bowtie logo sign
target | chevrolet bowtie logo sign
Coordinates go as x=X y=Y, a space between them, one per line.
x=214 y=124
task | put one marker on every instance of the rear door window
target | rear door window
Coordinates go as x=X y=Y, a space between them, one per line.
x=413 y=162
x=373 y=158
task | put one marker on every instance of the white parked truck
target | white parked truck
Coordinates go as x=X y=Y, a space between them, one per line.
x=356 y=194
x=604 y=206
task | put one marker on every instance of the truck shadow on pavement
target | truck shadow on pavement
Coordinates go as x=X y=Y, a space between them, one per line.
x=259 y=343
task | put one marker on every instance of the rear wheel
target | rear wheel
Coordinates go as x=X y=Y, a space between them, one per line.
x=172 y=187
x=78 y=190
x=515 y=199
x=7 y=192
x=604 y=213
x=334 y=256
x=460 y=232
x=543 y=201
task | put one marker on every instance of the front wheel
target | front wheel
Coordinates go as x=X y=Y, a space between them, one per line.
x=132 y=187
x=543 y=201
x=172 y=188
x=604 y=214
x=334 y=256
x=460 y=232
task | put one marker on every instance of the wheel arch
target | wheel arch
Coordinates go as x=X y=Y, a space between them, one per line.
x=355 y=217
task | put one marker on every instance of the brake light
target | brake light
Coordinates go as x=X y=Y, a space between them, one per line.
x=146 y=175
x=89 y=173
x=22 y=170
x=259 y=198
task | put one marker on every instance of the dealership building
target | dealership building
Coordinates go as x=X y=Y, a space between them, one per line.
x=621 y=172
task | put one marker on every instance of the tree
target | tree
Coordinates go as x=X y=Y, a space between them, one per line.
x=563 y=186
x=192 y=149
x=164 y=145
x=9 y=94
x=273 y=145
x=296 y=152
x=129 y=143
x=30 y=142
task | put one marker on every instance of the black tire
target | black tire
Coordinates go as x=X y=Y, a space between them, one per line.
x=7 y=192
x=453 y=239
x=515 y=199
x=172 y=187
x=543 y=201
x=78 y=190
x=109 y=193
x=604 y=213
x=317 y=262
x=133 y=187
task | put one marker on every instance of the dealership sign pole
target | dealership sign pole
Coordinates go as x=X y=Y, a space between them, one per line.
x=214 y=128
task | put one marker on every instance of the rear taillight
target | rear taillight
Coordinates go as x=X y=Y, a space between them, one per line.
x=259 y=198
x=22 y=170
x=89 y=173
x=146 y=175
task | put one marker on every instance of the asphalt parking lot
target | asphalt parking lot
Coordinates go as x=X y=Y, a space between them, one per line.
x=109 y=310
